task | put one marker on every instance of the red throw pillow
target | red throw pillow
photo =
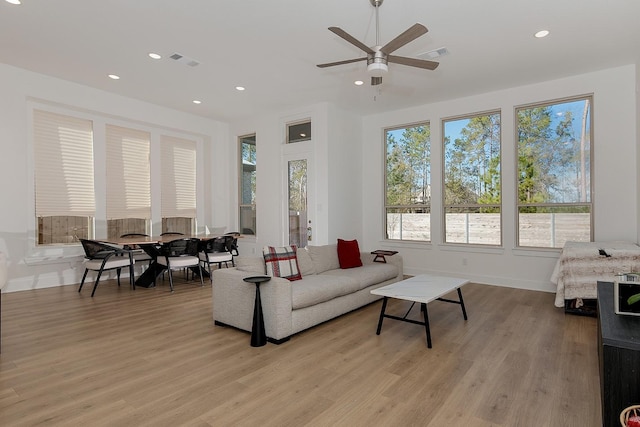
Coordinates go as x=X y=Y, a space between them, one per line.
x=349 y=254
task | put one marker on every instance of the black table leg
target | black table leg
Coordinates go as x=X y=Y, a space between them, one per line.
x=464 y=310
x=426 y=323
x=147 y=278
x=258 y=335
x=384 y=306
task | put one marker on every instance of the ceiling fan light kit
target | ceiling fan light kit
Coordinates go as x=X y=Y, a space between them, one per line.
x=378 y=57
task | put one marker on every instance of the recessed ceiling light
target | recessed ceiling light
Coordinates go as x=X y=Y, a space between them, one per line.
x=542 y=33
x=14 y=1
x=114 y=77
x=358 y=82
x=303 y=135
x=154 y=55
x=196 y=101
x=240 y=88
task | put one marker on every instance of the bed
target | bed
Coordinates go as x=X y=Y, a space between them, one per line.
x=582 y=264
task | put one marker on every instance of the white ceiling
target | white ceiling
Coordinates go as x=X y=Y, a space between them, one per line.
x=271 y=48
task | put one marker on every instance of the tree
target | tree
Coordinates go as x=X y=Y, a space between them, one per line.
x=551 y=168
x=408 y=162
x=472 y=162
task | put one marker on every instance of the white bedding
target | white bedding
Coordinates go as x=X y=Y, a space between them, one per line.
x=580 y=266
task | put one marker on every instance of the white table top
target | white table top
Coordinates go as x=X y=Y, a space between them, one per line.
x=423 y=288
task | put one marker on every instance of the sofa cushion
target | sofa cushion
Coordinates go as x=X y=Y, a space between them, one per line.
x=324 y=257
x=349 y=254
x=367 y=275
x=315 y=289
x=252 y=264
x=305 y=262
x=282 y=262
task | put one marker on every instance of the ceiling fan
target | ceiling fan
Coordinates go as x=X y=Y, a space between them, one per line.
x=378 y=57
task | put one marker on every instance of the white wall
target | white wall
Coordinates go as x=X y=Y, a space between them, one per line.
x=615 y=178
x=344 y=170
x=31 y=267
x=334 y=174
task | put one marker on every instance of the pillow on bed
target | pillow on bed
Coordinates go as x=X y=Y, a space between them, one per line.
x=282 y=262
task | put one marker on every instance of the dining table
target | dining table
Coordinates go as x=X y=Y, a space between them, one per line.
x=152 y=246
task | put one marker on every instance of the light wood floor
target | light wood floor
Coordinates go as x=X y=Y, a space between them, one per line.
x=149 y=357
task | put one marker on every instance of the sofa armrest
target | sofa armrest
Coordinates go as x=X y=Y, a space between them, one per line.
x=367 y=258
x=233 y=301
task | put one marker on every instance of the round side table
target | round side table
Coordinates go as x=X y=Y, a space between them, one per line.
x=258 y=335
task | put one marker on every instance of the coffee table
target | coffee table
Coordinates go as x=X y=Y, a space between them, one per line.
x=422 y=288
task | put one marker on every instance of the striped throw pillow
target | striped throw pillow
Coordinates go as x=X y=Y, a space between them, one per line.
x=282 y=262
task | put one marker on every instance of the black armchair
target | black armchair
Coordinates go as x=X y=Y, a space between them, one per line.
x=215 y=251
x=100 y=256
x=179 y=254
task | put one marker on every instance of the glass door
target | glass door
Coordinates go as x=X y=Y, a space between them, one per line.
x=299 y=224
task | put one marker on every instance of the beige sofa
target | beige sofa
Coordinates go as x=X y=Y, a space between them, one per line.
x=325 y=291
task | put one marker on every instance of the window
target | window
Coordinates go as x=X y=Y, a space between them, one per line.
x=297 y=201
x=408 y=183
x=554 y=173
x=128 y=181
x=298 y=132
x=178 y=193
x=247 y=184
x=472 y=199
x=64 y=193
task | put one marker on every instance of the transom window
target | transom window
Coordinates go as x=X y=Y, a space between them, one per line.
x=554 y=173
x=408 y=183
x=472 y=179
x=299 y=131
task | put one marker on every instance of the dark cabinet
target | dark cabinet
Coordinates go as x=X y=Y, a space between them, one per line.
x=619 y=357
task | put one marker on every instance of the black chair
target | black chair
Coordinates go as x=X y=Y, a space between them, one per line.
x=215 y=251
x=139 y=255
x=232 y=244
x=172 y=233
x=179 y=254
x=102 y=256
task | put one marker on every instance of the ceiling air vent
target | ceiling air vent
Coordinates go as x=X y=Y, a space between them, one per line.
x=184 y=59
x=432 y=54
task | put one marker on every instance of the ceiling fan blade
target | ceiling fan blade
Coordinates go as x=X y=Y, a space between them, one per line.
x=348 y=37
x=376 y=81
x=415 y=31
x=413 y=62
x=346 y=61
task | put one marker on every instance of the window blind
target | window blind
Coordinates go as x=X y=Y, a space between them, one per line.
x=178 y=163
x=128 y=173
x=63 y=165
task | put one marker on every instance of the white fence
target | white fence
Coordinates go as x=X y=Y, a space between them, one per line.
x=535 y=229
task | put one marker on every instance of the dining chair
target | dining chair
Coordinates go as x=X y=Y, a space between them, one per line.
x=172 y=233
x=179 y=254
x=139 y=254
x=215 y=251
x=100 y=256
x=232 y=244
